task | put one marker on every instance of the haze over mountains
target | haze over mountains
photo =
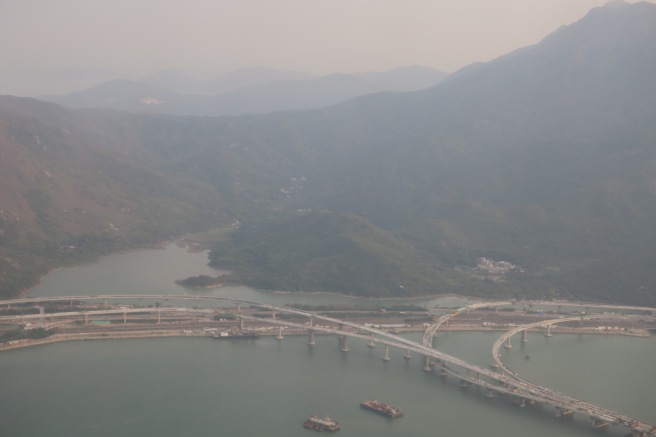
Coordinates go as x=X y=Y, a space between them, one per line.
x=249 y=91
x=544 y=158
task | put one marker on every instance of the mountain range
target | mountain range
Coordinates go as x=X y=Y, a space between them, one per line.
x=250 y=91
x=543 y=158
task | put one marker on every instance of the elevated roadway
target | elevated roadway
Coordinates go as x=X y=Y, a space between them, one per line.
x=568 y=404
x=470 y=373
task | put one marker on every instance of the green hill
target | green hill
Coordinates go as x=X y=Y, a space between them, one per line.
x=325 y=251
x=543 y=158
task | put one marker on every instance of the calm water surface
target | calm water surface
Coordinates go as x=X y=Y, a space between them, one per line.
x=154 y=271
x=202 y=387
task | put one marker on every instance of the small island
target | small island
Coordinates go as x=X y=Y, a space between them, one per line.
x=201 y=281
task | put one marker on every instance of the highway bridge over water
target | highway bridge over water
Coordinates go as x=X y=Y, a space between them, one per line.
x=494 y=382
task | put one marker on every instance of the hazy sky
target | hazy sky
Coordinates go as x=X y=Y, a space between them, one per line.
x=317 y=36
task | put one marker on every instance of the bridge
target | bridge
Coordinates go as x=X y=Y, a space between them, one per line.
x=566 y=404
x=493 y=382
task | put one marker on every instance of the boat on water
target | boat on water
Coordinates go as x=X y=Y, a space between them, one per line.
x=382 y=408
x=227 y=335
x=321 y=423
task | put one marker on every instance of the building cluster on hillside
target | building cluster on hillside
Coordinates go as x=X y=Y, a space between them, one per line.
x=496 y=267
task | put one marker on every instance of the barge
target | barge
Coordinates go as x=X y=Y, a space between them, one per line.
x=227 y=335
x=382 y=408
x=321 y=423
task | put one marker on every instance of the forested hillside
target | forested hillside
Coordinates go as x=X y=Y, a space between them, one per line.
x=543 y=158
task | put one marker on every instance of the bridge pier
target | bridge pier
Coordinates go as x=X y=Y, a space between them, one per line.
x=86 y=318
x=548 y=334
x=428 y=367
x=344 y=343
x=159 y=317
x=125 y=317
x=311 y=341
x=507 y=344
x=386 y=357
x=522 y=403
x=599 y=423
x=407 y=354
x=371 y=343
x=489 y=393
x=524 y=339
x=241 y=324
x=560 y=412
x=279 y=336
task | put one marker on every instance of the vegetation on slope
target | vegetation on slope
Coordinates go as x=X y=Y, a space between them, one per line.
x=327 y=251
x=543 y=158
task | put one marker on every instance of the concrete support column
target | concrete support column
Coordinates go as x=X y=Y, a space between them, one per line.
x=548 y=334
x=562 y=412
x=241 y=324
x=407 y=354
x=311 y=341
x=279 y=336
x=599 y=423
x=427 y=367
x=524 y=340
x=344 y=344
x=507 y=344
x=386 y=357
x=238 y=307
x=125 y=317
x=159 y=317
x=86 y=318
x=273 y=315
x=105 y=303
x=371 y=343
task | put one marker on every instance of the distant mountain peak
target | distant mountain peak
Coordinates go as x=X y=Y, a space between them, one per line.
x=616 y=3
